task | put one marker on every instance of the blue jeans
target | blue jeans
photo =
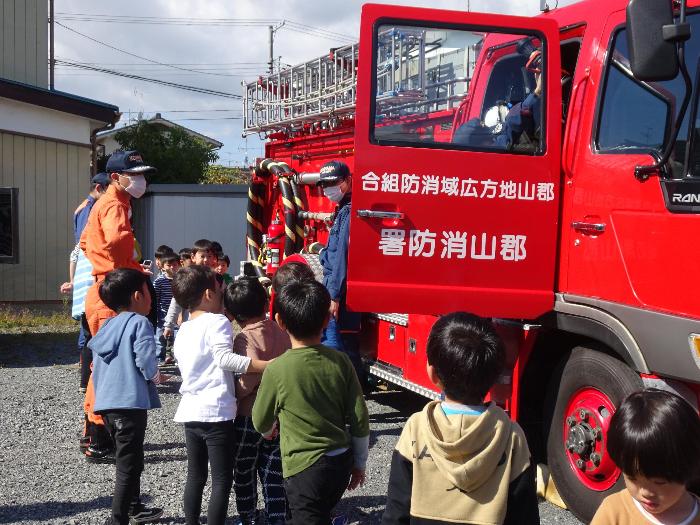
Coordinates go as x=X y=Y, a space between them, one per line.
x=348 y=343
x=162 y=343
x=82 y=337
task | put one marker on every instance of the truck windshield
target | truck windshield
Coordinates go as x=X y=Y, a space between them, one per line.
x=637 y=116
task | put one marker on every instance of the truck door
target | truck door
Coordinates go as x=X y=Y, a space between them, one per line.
x=456 y=181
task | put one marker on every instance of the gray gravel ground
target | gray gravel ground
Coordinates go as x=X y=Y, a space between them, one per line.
x=44 y=478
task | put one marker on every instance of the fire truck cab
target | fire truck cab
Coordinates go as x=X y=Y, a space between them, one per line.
x=543 y=172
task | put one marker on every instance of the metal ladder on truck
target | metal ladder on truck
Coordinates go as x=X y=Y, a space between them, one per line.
x=410 y=80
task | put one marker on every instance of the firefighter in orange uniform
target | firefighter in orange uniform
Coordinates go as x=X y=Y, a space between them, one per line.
x=108 y=243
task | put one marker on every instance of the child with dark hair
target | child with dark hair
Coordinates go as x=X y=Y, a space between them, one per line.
x=222 y=264
x=161 y=251
x=169 y=265
x=217 y=249
x=468 y=456
x=245 y=301
x=203 y=349
x=185 y=257
x=654 y=438
x=293 y=268
x=202 y=253
x=314 y=393
x=292 y=271
x=125 y=374
x=205 y=252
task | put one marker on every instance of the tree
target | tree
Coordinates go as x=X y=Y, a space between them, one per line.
x=216 y=174
x=179 y=157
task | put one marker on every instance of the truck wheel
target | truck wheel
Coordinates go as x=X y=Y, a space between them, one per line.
x=592 y=386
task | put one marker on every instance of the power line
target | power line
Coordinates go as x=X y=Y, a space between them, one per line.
x=234 y=64
x=131 y=54
x=213 y=118
x=188 y=110
x=195 y=89
x=221 y=22
x=70 y=70
x=157 y=68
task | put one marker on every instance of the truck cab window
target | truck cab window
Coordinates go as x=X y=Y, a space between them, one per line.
x=569 y=58
x=424 y=98
x=636 y=116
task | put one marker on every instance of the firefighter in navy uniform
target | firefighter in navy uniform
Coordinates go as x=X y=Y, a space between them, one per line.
x=344 y=325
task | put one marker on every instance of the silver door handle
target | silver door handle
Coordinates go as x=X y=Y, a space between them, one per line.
x=588 y=227
x=376 y=214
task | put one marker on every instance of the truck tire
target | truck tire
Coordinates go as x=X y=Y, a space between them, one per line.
x=591 y=387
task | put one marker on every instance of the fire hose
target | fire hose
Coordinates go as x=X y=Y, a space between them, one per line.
x=254 y=234
x=292 y=201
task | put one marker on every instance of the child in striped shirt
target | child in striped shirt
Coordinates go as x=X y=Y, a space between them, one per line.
x=170 y=264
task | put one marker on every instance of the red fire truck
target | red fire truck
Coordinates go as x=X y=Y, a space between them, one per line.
x=544 y=172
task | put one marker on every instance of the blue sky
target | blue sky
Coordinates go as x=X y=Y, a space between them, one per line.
x=223 y=55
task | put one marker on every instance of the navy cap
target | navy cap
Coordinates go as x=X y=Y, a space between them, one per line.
x=103 y=179
x=127 y=162
x=333 y=172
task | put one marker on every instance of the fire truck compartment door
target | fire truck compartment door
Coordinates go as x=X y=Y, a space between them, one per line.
x=456 y=183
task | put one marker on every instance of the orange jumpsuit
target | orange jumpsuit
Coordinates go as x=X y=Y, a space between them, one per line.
x=108 y=243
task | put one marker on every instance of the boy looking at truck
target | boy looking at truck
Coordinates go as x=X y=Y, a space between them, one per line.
x=245 y=301
x=461 y=452
x=314 y=393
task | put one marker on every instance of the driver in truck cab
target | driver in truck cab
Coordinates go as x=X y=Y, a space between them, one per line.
x=343 y=327
x=523 y=121
x=514 y=127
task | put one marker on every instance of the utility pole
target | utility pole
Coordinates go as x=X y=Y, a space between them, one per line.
x=245 y=162
x=271 y=61
x=52 y=60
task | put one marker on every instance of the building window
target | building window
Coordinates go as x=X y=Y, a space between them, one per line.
x=9 y=226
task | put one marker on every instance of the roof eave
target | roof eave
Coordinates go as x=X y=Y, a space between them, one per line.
x=59 y=101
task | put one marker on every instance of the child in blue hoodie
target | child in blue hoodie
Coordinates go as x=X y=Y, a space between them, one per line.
x=125 y=374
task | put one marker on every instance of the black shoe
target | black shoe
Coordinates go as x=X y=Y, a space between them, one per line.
x=245 y=521
x=142 y=514
x=99 y=455
x=84 y=443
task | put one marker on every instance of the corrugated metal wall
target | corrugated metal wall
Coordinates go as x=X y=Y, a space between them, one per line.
x=24 y=41
x=52 y=178
x=179 y=214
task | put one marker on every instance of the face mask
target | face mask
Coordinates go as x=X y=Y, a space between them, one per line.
x=333 y=193
x=137 y=186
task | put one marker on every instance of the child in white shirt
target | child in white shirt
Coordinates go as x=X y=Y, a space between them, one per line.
x=203 y=350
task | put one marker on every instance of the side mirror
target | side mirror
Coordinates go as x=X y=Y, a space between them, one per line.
x=652 y=56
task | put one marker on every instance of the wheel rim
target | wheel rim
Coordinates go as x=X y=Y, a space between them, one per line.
x=586 y=423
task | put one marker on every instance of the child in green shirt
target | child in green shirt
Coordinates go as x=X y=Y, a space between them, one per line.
x=314 y=393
